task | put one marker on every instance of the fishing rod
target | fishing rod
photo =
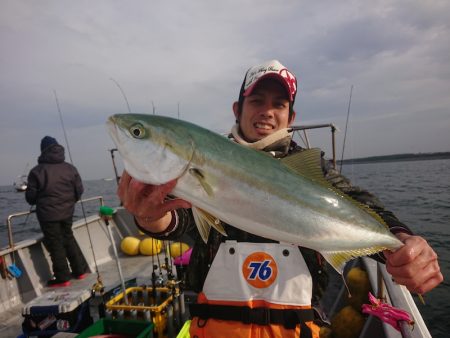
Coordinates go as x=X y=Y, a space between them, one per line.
x=62 y=125
x=129 y=110
x=346 y=124
x=28 y=215
x=25 y=171
x=123 y=94
x=81 y=200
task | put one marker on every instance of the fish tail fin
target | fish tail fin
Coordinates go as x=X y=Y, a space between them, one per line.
x=205 y=221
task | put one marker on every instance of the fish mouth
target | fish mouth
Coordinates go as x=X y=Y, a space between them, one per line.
x=113 y=130
x=120 y=135
x=111 y=126
x=117 y=130
x=115 y=134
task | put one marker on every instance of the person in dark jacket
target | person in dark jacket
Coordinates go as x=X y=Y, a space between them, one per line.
x=54 y=186
x=235 y=300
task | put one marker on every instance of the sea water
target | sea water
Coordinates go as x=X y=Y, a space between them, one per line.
x=418 y=192
x=27 y=226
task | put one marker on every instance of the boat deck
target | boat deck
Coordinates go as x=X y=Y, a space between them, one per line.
x=35 y=263
x=32 y=258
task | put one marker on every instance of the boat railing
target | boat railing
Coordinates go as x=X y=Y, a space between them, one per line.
x=9 y=221
x=383 y=287
x=296 y=130
x=401 y=298
x=305 y=139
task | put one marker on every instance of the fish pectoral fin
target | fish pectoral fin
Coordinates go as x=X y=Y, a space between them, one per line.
x=205 y=221
x=338 y=259
x=199 y=175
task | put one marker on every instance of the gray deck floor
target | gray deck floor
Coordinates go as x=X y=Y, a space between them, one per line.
x=139 y=267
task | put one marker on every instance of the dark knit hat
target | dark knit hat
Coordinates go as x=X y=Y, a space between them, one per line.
x=46 y=142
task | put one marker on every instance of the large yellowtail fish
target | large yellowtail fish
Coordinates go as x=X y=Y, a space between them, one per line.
x=286 y=200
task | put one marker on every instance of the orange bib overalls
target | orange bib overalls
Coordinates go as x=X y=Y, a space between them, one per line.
x=255 y=290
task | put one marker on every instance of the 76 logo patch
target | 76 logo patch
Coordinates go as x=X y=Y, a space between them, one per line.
x=260 y=270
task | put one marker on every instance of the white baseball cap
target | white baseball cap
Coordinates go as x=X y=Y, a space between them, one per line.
x=270 y=69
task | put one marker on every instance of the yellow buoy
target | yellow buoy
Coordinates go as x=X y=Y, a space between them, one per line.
x=130 y=245
x=325 y=332
x=150 y=246
x=359 y=286
x=347 y=323
x=178 y=248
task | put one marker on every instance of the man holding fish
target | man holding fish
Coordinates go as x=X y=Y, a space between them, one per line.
x=251 y=278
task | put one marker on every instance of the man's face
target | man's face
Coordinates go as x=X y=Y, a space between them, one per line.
x=264 y=111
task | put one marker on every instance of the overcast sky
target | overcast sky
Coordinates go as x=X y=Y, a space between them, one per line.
x=193 y=55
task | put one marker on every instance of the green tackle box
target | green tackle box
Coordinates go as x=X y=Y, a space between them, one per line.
x=133 y=328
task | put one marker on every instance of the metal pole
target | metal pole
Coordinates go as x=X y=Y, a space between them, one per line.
x=119 y=268
x=346 y=123
x=333 y=144
x=114 y=164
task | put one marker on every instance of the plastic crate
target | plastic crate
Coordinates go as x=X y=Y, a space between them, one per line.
x=135 y=328
x=165 y=311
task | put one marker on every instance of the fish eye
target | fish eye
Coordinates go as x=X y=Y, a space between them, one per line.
x=137 y=130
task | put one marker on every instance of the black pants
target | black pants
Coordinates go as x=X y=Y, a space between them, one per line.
x=60 y=243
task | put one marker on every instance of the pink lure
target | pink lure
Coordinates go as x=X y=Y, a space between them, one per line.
x=184 y=258
x=387 y=313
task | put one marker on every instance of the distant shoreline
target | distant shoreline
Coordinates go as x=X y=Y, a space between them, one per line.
x=398 y=158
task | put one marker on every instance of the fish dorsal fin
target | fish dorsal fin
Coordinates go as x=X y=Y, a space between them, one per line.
x=199 y=175
x=307 y=163
x=205 y=221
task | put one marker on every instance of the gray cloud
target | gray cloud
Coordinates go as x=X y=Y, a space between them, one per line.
x=194 y=55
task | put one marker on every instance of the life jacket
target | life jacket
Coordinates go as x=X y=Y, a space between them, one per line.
x=255 y=290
